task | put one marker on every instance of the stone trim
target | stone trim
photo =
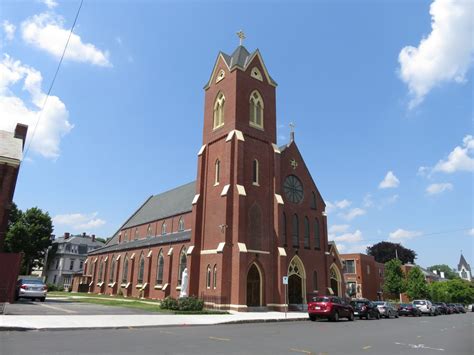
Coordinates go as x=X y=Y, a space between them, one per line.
x=279 y=199
x=225 y=190
x=201 y=150
x=195 y=199
x=281 y=251
x=241 y=190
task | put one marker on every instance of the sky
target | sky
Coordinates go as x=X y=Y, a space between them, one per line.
x=380 y=93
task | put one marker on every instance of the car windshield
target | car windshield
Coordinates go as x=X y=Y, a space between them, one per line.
x=321 y=299
x=419 y=302
x=379 y=303
x=358 y=303
x=33 y=281
x=405 y=305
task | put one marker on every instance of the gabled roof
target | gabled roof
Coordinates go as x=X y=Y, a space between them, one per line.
x=463 y=262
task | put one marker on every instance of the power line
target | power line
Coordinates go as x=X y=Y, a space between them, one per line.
x=52 y=82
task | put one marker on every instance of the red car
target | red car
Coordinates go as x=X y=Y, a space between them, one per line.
x=330 y=307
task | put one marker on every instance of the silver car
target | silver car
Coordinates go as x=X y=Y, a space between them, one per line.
x=31 y=288
x=386 y=309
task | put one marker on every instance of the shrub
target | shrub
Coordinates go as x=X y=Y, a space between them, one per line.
x=53 y=287
x=169 y=303
x=190 y=304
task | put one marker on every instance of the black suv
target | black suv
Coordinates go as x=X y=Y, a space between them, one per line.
x=443 y=309
x=364 y=308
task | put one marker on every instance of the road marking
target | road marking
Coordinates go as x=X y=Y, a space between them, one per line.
x=418 y=336
x=366 y=347
x=166 y=332
x=220 y=339
x=56 y=308
x=300 y=351
x=419 y=346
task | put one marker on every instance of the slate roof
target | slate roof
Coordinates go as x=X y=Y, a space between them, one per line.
x=10 y=147
x=79 y=239
x=462 y=262
x=176 y=237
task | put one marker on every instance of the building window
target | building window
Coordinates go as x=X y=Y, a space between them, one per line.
x=295 y=231
x=81 y=265
x=160 y=268
x=57 y=264
x=256 y=109
x=351 y=289
x=126 y=237
x=125 y=270
x=306 y=232
x=317 y=236
x=219 y=111
x=255 y=172
x=163 y=228
x=217 y=176
x=285 y=235
x=220 y=76
x=181 y=224
x=141 y=269
x=182 y=265
x=313 y=201
x=315 y=281
x=112 y=270
x=54 y=279
x=71 y=264
x=255 y=73
x=349 y=267
x=101 y=271
x=208 y=276
x=148 y=231
x=136 y=233
x=214 y=277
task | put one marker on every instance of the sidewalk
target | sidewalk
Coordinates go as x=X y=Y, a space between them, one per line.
x=68 y=322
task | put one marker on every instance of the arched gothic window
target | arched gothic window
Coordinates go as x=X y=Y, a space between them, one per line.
x=182 y=265
x=295 y=231
x=306 y=232
x=148 y=231
x=217 y=176
x=160 y=268
x=163 y=228
x=208 y=276
x=256 y=109
x=125 y=270
x=136 y=233
x=317 y=237
x=214 y=277
x=219 y=111
x=255 y=227
x=181 y=224
x=112 y=270
x=141 y=269
x=101 y=271
x=255 y=172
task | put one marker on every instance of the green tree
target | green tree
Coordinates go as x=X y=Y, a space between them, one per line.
x=461 y=291
x=439 y=292
x=394 y=281
x=416 y=285
x=386 y=251
x=448 y=272
x=29 y=233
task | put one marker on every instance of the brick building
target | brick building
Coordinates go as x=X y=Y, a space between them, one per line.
x=363 y=276
x=253 y=215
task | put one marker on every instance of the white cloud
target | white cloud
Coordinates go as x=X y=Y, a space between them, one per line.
x=471 y=232
x=368 y=202
x=338 y=228
x=79 y=221
x=352 y=249
x=9 y=29
x=401 y=234
x=390 y=181
x=51 y=4
x=343 y=204
x=54 y=122
x=435 y=189
x=353 y=213
x=349 y=237
x=460 y=159
x=46 y=31
x=445 y=55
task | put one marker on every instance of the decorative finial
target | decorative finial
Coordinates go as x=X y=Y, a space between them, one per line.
x=292 y=131
x=241 y=36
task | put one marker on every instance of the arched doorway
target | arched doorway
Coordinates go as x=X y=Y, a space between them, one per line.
x=296 y=281
x=335 y=280
x=254 y=287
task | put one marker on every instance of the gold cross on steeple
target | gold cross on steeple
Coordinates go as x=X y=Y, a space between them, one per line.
x=241 y=36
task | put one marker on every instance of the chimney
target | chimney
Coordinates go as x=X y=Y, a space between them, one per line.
x=20 y=132
x=83 y=234
x=66 y=235
x=93 y=237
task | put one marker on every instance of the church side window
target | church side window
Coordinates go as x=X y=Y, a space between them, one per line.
x=255 y=172
x=141 y=269
x=256 y=109
x=219 y=111
x=136 y=233
x=306 y=232
x=295 y=231
x=181 y=224
x=101 y=271
x=182 y=265
x=125 y=270
x=217 y=176
x=208 y=276
x=112 y=270
x=317 y=237
x=163 y=228
x=214 y=277
x=148 y=231
x=160 y=268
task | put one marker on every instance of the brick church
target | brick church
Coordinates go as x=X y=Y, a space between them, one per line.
x=253 y=215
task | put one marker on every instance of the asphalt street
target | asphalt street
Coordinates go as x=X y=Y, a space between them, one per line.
x=426 y=335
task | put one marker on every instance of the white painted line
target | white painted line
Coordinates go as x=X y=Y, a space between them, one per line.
x=56 y=308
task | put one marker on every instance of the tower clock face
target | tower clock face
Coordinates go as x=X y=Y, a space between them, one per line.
x=293 y=189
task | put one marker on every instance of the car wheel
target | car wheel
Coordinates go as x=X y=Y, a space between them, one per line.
x=335 y=317
x=351 y=316
x=377 y=316
x=396 y=315
x=312 y=317
x=42 y=299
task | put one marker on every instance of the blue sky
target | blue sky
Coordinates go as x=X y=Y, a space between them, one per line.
x=380 y=92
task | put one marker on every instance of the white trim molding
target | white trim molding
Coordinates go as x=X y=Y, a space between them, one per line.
x=170 y=252
x=281 y=251
x=258 y=251
x=279 y=199
x=195 y=199
x=242 y=247
x=225 y=190
x=241 y=190
x=276 y=149
x=201 y=150
x=190 y=250
x=150 y=253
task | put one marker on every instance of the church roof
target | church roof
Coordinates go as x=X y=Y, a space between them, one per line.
x=169 y=203
x=463 y=262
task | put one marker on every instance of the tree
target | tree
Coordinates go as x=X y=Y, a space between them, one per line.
x=394 y=283
x=101 y=240
x=29 y=233
x=386 y=251
x=461 y=291
x=416 y=285
x=448 y=272
x=439 y=292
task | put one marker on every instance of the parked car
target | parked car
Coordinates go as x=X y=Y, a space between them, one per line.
x=453 y=308
x=32 y=288
x=425 y=306
x=408 y=309
x=460 y=307
x=364 y=308
x=437 y=311
x=386 y=309
x=470 y=308
x=330 y=307
x=443 y=308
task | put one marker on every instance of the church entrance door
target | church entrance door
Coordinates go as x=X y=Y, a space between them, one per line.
x=335 y=286
x=253 y=287
x=295 y=290
x=296 y=282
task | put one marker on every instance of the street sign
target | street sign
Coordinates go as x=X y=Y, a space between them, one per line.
x=285 y=280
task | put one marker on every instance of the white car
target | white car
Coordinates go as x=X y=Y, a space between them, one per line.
x=425 y=306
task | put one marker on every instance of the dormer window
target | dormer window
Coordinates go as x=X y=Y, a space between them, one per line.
x=220 y=76
x=219 y=111
x=255 y=73
x=256 y=110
